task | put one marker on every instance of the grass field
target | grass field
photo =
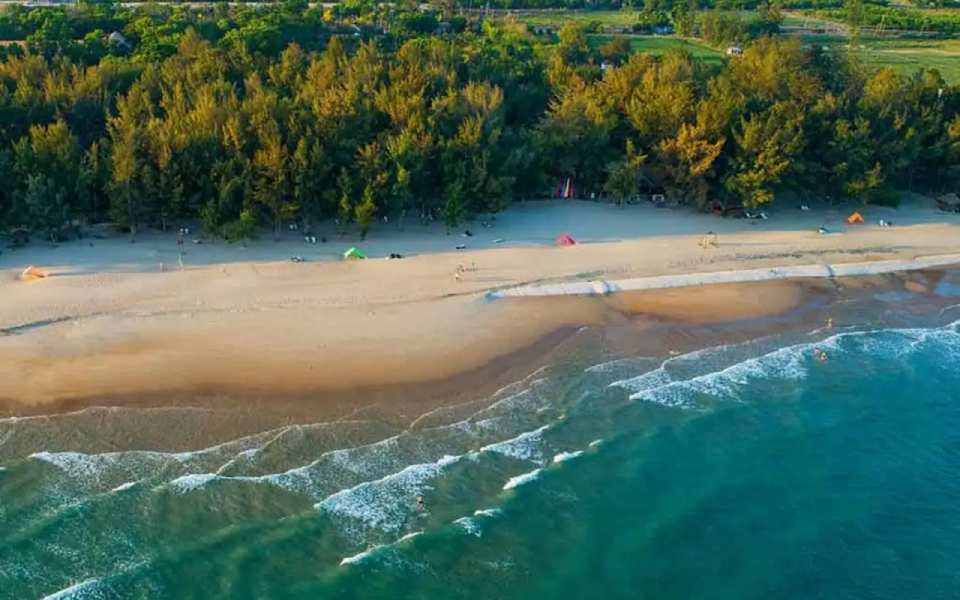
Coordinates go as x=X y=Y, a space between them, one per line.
x=908 y=56
x=608 y=18
x=905 y=55
x=659 y=44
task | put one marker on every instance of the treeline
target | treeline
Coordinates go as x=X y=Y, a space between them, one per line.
x=873 y=15
x=450 y=127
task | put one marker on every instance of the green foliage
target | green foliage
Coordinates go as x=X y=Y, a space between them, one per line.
x=861 y=14
x=243 y=116
x=243 y=229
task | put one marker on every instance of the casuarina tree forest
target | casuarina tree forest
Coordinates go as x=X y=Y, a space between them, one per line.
x=251 y=117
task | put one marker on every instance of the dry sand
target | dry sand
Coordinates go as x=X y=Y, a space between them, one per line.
x=107 y=321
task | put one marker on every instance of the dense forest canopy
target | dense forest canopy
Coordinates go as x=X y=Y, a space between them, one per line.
x=260 y=116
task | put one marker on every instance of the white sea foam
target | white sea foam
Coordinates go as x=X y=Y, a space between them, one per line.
x=487 y=512
x=192 y=481
x=357 y=558
x=375 y=505
x=470 y=525
x=722 y=384
x=595 y=443
x=124 y=486
x=522 y=479
x=85 y=590
x=565 y=456
x=408 y=537
x=525 y=446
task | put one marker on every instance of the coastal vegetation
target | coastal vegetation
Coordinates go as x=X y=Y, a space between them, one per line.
x=240 y=117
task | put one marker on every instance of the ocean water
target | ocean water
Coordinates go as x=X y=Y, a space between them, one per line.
x=747 y=470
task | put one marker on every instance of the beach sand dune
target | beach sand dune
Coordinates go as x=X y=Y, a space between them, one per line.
x=108 y=321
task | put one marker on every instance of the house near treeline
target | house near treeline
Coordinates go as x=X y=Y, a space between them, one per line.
x=118 y=39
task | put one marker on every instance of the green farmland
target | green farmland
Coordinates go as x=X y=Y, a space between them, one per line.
x=660 y=44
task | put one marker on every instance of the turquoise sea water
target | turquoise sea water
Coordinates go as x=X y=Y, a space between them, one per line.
x=739 y=471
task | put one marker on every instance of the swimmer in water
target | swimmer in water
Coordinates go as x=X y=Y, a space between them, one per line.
x=816 y=352
x=420 y=504
x=823 y=357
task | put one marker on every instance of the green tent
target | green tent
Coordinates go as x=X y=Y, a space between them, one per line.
x=354 y=254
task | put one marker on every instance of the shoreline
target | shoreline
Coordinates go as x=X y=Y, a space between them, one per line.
x=811 y=271
x=642 y=324
x=237 y=322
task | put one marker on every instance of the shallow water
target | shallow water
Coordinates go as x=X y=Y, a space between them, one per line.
x=749 y=470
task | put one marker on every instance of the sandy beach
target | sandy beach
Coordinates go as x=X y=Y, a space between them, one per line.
x=109 y=322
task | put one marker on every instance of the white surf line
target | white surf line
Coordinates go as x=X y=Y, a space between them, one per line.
x=824 y=271
x=64 y=594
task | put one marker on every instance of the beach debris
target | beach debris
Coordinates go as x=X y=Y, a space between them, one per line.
x=292 y=227
x=309 y=239
x=197 y=241
x=755 y=214
x=498 y=241
x=949 y=203
x=822 y=230
x=855 y=219
x=297 y=259
x=804 y=208
x=566 y=240
x=32 y=273
x=467 y=233
x=461 y=247
x=709 y=240
x=456 y=276
x=885 y=223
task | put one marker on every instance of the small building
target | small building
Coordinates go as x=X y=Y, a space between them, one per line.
x=118 y=39
x=734 y=51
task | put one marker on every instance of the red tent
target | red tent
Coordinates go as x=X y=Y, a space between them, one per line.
x=566 y=240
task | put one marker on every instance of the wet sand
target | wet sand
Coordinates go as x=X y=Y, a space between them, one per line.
x=647 y=323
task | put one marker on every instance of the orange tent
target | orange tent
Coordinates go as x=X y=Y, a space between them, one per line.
x=32 y=273
x=566 y=240
x=855 y=218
